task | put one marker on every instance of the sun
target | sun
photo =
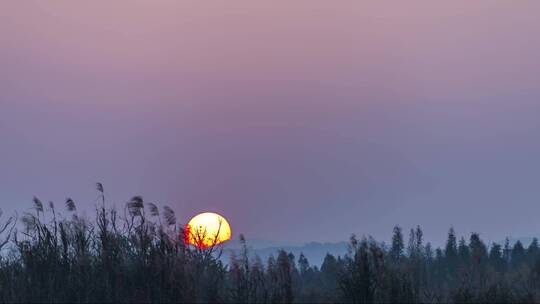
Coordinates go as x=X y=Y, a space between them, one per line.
x=207 y=229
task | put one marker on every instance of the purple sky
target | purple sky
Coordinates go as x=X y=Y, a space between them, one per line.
x=296 y=120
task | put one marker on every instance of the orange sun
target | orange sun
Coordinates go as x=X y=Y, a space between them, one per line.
x=207 y=229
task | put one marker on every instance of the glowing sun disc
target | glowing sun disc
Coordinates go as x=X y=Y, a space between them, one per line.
x=207 y=229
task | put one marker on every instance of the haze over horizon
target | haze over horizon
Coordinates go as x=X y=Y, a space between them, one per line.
x=297 y=120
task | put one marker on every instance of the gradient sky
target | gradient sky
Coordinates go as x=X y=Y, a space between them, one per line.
x=296 y=120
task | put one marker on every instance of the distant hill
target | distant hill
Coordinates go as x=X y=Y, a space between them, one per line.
x=314 y=251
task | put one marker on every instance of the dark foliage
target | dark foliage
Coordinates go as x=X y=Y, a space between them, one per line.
x=140 y=256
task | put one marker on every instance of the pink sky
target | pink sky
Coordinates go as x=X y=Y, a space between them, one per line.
x=297 y=120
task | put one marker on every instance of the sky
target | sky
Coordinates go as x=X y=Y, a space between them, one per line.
x=296 y=120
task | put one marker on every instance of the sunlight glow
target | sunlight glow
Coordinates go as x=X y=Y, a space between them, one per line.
x=207 y=229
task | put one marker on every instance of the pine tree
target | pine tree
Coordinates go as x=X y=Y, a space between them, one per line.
x=477 y=248
x=419 y=237
x=450 y=250
x=518 y=253
x=532 y=251
x=507 y=251
x=396 y=251
x=411 y=247
x=496 y=259
x=463 y=251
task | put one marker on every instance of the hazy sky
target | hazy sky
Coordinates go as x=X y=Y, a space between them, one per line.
x=297 y=120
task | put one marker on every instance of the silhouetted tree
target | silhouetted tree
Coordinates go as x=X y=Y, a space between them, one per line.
x=396 y=251
x=533 y=251
x=463 y=251
x=496 y=258
x=450 y=251
x=518 y=254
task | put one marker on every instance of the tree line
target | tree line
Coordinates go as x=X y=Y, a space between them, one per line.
x=139 y=255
